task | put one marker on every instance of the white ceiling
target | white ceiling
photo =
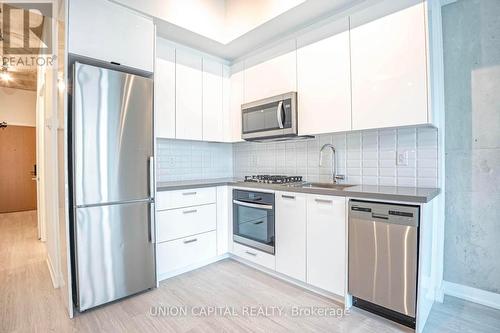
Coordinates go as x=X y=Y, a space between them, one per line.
x=232 y=28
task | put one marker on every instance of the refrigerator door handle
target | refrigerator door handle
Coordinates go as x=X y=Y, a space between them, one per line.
x=151 y=224
x=151 y=176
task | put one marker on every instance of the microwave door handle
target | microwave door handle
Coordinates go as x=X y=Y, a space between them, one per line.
x=279 y=114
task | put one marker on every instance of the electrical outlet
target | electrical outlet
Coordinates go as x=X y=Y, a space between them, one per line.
x=402 y=158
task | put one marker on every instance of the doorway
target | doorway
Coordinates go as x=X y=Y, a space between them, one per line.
x=18 y=167
x=18 y=188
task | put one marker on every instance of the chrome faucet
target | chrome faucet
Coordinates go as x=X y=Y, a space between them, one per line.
x=335 y=177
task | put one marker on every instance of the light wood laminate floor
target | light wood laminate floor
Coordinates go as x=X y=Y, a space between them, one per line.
x=28 y=303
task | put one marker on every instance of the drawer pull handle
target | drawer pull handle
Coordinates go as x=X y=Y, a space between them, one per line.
x=258 y=222
x=190 y=211
x=288 y=196
x=251 y=253
x=189 y=193
x=323 y=201
x=187 y=241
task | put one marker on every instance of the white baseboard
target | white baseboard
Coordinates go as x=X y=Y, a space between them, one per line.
x=439 y=294
x=447 y=2
x=55 y=282
x=471 y=294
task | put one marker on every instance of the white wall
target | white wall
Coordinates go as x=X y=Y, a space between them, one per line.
x=47 y=168
x=18 y=107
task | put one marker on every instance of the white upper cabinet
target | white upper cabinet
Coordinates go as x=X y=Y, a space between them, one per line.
x=324 y=86
x=109 y=32
x=290 y=234
x=272 y=77
x=213 y=117
x=235 y=101
x=389 y=69
x=326 y=243
x=165 y=91
x=226 y=103
x=188 y=96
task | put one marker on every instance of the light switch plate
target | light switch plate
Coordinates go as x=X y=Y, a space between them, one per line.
x=402 y=159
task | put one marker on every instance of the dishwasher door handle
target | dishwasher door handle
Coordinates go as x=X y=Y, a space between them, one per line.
x=380 y=216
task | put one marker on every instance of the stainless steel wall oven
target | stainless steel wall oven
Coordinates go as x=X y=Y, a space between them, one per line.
x=253 y=219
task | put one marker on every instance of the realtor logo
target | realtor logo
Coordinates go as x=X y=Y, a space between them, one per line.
x=26 y=28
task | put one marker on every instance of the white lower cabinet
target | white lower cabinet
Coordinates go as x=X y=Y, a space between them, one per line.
x=310 y=241
x=326 y=243
x=290 y=230
x=184 y=252
x=223 y=220
x=186 y=229
x=185 y=198
x=194 y=226
x=258 y=257
x=182 y=222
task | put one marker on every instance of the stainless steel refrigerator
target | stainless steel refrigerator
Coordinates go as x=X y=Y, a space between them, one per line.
x=112 y=185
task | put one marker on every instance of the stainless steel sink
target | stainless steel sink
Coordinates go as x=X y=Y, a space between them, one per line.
x=327 y=186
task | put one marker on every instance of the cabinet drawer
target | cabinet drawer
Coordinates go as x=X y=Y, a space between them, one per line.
x=255 y=256
x=186 y=251
x=185 y=198
x=183 y=222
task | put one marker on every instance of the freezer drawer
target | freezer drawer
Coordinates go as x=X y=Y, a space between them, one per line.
x=115 y=254
x=383 y=255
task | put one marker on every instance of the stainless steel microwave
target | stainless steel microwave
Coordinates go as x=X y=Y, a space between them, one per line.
x=270 y=118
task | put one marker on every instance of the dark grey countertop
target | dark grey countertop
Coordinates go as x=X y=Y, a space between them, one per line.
x=187 y=184
x=390 y=193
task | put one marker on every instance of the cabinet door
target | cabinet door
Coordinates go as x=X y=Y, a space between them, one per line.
x=291 y=234
x=272 y=77
x=97 y=29
x=324 y=86
x=224 y=195
x=181 y=253
x=188 y=96
x=213 y=125
x=165 y=91
x=326 y=242
x=226 y=104
x=389 y=70
x=236 y=99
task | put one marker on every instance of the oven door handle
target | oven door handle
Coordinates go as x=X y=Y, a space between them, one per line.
x=252 y=205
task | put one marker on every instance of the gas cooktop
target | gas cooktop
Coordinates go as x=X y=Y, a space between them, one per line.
x=273 y=179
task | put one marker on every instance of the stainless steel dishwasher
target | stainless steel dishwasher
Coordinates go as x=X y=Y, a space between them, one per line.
x=383 y=259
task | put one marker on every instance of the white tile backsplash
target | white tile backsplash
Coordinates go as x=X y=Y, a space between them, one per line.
x=365 y=157
x=189 y=160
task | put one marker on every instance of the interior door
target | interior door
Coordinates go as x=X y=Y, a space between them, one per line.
x=113 y=135
x=17 y=169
